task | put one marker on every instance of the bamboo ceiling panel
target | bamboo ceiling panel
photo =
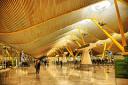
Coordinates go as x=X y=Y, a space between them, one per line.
x=20 y=14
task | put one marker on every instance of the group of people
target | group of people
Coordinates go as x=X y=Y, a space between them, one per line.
x=59 y=63
x=103 y=61
x=94 y=61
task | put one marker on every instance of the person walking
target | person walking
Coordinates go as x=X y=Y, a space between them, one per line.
x=37 y=66
x=61 y=64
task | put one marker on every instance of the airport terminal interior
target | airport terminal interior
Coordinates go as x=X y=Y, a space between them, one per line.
x=63 y=42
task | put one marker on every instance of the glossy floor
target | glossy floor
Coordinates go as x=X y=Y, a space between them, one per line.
x=55 y=75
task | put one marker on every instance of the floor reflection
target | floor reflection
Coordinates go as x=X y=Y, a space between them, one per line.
x=55 y=75
x=38 y=77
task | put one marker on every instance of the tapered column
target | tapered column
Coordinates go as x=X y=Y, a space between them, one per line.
x=86 y=59
x=64 y=57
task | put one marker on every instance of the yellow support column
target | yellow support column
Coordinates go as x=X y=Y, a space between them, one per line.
x=77 y=54
x=120 y=25
x=78 y=43
x=60 y=50
x=81 y=36
x=72 y=53
x=69 y=51
x=75 y=37
x=109 y=36
x=104 y=50
x=110 y=46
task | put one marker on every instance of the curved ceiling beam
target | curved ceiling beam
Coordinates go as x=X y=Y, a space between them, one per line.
x=61 y=21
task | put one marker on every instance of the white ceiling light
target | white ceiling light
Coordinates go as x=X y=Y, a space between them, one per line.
x=101 y=5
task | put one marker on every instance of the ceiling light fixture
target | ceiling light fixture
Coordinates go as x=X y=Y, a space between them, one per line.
x=101 y=5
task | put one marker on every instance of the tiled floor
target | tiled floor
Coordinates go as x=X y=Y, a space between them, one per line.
x=54 y=75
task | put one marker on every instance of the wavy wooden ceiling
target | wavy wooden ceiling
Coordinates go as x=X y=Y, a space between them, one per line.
x=20 y=14
x=35 y=25
x=23 y=21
